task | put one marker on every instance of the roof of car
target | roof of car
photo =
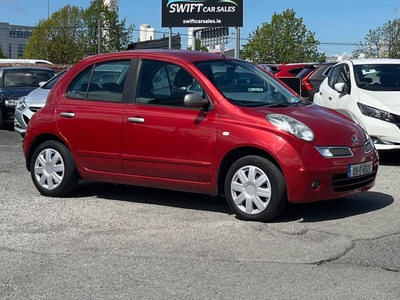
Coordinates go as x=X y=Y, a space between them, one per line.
x=182 y=54
x=26 y=68
x=369 y=61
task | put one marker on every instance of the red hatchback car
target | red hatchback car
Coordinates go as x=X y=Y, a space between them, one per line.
x=196 y=122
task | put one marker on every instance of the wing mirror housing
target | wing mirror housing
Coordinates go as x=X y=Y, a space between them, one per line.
x=195 y=100
x=340 y=87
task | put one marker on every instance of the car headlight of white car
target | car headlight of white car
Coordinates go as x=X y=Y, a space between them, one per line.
x=376 y=113
x=21 y=105
x=291 y=125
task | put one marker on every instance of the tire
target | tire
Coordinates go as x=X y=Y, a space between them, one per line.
x=53 y=169
x=1 y=118
x=255 y=189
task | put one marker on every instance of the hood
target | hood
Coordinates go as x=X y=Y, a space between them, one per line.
x=37 y=97
x=384 y=100
x=15 y=93
x=330 y=128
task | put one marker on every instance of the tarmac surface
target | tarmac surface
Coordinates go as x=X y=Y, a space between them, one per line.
x=110 y=241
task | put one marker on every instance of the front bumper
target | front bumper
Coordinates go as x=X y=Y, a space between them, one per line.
x=315 y=178
x=22 y=118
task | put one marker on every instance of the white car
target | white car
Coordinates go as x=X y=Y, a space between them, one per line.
x=370 y=90
x=28 y=105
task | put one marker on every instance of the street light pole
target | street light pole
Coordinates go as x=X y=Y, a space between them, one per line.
x=395 y=11
x=48 y=9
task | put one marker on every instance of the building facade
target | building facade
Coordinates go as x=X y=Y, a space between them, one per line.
x=13 y=39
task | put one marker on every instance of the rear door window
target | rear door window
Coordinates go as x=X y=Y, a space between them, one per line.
x=100 y=82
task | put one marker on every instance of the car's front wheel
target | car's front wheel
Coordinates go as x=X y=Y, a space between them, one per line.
x=255 y=189
x=53 y=169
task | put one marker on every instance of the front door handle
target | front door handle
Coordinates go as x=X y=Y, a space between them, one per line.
x=67 y=114
x=136 y=120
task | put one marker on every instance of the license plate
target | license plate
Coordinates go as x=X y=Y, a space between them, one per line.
x=359 y=169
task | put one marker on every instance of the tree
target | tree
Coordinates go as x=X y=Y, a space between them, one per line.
x=285 y=39
x=72 y=32
x=383 y=42
x=199 y=47
x=1 y=52
x=59 y=38
x=115 y=36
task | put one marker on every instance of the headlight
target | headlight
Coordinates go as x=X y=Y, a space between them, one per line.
x=293 y=126
x=9 y=102
x=21 y=105
x=376 y=113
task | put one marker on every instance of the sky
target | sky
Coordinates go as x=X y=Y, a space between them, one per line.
x=337 y=25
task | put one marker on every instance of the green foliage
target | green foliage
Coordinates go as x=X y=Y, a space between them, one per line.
x=1 y=52
x=199 y=47
x=383 y=42
x=72 y=32
x=285 y=39
x=58 y=39
x=114 y=34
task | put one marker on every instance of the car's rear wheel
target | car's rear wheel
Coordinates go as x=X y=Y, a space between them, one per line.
x=53 y=169
x=255 y=189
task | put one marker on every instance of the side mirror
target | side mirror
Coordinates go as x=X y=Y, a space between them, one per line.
x=195 y=100
x=42 y=83
x=340 y=87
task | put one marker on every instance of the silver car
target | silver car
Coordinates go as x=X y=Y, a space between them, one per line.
x=28 y=105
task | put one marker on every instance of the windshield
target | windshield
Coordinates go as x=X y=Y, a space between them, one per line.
x=378 y=77
x=49 y=84
x=244 y=84
x=26 y=78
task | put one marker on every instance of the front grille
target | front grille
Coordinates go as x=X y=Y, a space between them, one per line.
x=341 y=151
x=34 y=109
x=26 y=120
x=341 y=183
x=331 y=152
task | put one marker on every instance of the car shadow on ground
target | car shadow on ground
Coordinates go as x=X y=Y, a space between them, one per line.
x=8 y=125
x=336 y=209
x=389 y=158
x=152 y=196
x=308 y=212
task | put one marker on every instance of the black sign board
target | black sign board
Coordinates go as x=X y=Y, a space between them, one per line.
x=202 y=13
x=162 y=43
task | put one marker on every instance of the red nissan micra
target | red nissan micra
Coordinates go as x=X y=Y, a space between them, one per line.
x=195 y=122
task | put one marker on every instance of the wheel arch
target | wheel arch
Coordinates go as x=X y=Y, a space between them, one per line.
x=38 y=141
x=233 y=156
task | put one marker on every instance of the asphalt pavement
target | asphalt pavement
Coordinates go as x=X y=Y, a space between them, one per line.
x=110 y=241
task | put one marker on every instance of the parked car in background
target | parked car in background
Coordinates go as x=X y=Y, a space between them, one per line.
x=24 y=61
x=195 y=122
x=287 y=73
x=16 y=82
x=288 y=69
x=31 y=103
x=311 y=78
x=370 y=89
x=266 y=68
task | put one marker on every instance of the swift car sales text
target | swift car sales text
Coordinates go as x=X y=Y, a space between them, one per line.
x=198 y=8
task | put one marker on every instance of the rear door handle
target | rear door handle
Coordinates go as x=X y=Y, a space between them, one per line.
x=67 y=114
x=136 y=120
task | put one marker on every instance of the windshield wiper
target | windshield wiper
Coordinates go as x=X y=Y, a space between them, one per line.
x=282 y=104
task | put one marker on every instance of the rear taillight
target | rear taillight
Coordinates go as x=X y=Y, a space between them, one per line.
x=306 y=84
